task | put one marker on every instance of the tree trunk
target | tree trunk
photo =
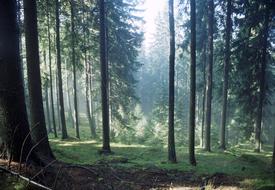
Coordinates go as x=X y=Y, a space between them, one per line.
x=91 y=100
x=38 y=124
x=203 y=95
x=70 y=115
x=171 y=136
x=76 y=119
x=192 y=107
x=262 y=82
x=50 y=69
x=273 y=156
x=57 y=102
x=225 y=73
x=209 y=76
x=104 y=80
x=47 y=98
x=60 y=87
x=13 y=115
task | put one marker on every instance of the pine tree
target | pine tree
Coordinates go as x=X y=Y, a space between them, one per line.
x=171 y=138
x=38 y=124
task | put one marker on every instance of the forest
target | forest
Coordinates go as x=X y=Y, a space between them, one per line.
x=137 y=94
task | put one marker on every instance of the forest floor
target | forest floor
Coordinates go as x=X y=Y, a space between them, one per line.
x=138 y=167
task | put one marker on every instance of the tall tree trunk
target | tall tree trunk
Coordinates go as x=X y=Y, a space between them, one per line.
x=70 y=115
x=47 y=98
x=192 y=107
x=171 y=136
x=104 y=80
x=273 y=156
x=76 y=119
x=209 y=76
x=57 y=102
x=60 y=87
x=262 y=82
x=38 y=124
x=225 y=73
x=50 y=69
x=91 y=100
x=13 y=115
x=203 y=95
x=87 y=93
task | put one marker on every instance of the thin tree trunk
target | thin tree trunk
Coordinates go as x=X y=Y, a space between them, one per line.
x=171 y=136
x=273 y=156
x=50 y=69
x=104 y=81
x=38 y=124
x=60 y=88
x=91 y=99
x=70 y=115
x=13 y=115
x=192 y=107
x=57 y=102
x=209 y=76
x=203 y=95
x=262 y=82
x=225 y=74
x=47 y=98
x=76 y=119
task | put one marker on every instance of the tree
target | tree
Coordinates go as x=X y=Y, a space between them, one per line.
x=50 y=69
x=59 y=73
x=273 y=155
x=262 y=81
x=192 y=108
x=225 y=73
x=171 y=138
x=14 y=125
x=104 y=80
x=209 y=75
x=76 y=120
x=38 y=124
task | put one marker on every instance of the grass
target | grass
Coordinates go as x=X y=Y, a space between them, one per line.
x=239 y=161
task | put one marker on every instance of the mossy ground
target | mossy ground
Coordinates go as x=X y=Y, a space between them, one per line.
x=253 y=169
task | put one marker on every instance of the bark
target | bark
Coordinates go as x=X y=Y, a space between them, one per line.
x=60 y=87
x=38 y=124
x=68 y=96
x=104 y=80
x=262 y=82
x=203 y=96
x=91 y=100
x=192 y=107
x=50 y=69
x=47 y=98
x=57 y=102
x=273 y=156
x=171 y=136
x=76 y=119
x=13 y=115
x=225 y=73
x=209 y=76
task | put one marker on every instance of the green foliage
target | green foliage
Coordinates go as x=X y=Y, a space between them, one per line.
x=251 y=168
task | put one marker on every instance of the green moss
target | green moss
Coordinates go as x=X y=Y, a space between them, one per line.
x=240 y=161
